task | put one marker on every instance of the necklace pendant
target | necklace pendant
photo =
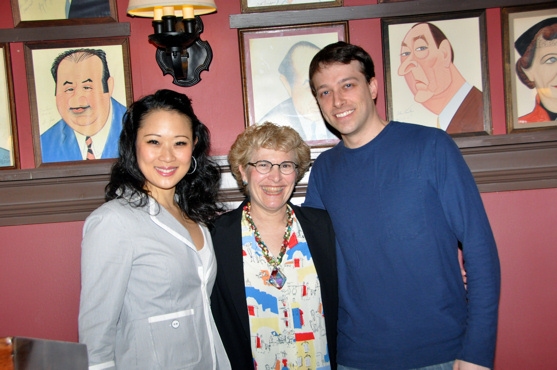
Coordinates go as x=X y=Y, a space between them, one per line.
x=277 y=279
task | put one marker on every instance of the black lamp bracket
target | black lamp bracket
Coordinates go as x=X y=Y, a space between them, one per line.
x=180 y=51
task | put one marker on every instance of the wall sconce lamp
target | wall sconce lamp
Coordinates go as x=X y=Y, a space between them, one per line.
x=180 y=51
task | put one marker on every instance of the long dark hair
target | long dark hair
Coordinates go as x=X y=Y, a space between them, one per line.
x=197 y=192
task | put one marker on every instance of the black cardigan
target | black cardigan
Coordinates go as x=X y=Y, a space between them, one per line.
x=228 y=300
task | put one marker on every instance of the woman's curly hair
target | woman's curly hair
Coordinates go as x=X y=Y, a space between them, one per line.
x=269 y=136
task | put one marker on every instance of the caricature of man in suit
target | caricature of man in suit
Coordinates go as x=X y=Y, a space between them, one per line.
x=5 y=157
x=91 y=119
x=427 y=64
x=300 y=110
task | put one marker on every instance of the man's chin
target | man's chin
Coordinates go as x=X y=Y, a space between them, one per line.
x=80 y=125
x=87 y=128
x=422 y=96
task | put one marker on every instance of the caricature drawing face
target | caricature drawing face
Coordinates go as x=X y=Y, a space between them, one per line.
x=80 y=96
x=543 y=72
x=303 y=99
x=425 y=66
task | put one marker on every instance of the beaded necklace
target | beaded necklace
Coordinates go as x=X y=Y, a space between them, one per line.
x=277 y=278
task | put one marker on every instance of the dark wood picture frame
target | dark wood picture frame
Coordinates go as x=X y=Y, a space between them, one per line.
x=42 y=87
x=523 y=111
x=9 y=153
x=274 y=5
x=263 y=52
x=29 y=13
x=424 y=103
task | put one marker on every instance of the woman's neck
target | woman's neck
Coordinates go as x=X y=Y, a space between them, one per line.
x=264 y=218
x=164 y=197
x=271 y=226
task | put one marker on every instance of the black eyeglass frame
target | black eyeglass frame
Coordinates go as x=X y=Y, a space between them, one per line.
x=271 y=165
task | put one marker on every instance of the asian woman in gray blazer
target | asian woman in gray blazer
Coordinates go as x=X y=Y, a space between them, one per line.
x=148 y=265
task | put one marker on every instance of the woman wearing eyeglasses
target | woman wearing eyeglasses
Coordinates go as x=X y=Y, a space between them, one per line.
x=275 y=297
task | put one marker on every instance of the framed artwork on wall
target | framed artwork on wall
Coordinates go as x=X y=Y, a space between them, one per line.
x=436 y=71
x=274 y=64
x=9 y=154
x=530 y=55
x=251 y=6
x=38 y=13
x=78 y=94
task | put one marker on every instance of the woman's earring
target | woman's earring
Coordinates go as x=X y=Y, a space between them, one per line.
x=194 y=166
x=244 y=183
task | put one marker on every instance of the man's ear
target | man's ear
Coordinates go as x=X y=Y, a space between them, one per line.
x=446 y=51
x=373 y=88
x=286 y=84
x=110 y=83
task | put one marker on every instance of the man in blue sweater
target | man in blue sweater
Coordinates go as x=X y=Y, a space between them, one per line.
x=402 y=200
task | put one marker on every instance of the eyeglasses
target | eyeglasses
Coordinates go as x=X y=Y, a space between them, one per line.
x=264 y=167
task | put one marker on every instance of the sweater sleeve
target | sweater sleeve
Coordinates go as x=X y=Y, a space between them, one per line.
x=106 y=261
x=465 y=213
x=313 y=198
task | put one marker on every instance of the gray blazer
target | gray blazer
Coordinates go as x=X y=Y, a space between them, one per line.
x=145 y=292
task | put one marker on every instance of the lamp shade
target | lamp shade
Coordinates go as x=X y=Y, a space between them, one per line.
x=146 y=8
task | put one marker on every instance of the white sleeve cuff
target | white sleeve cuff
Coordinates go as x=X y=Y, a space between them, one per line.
x=104 y=365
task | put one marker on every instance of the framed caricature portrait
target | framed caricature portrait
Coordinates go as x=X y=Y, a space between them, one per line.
x=78 y=94
x=530 y=54
x=8 y=134
x=37 y=13
x=251 y=6
x=275 y=63
x=436 y=72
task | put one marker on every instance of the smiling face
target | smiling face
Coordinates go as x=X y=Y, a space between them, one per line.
x=80 y=97
x=164 y=147
x=270 y=192
x=347 y=102
x=425 y=66
x=543 y=72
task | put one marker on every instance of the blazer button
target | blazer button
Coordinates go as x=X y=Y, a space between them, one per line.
x=175 y=324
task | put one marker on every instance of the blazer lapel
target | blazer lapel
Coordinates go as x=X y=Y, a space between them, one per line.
x=168 y=223
x=230 y=236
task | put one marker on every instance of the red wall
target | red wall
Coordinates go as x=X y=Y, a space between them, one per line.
x=39 y=264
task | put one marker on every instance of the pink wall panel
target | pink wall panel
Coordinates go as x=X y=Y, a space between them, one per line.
x=524 y=227
x=40 y=280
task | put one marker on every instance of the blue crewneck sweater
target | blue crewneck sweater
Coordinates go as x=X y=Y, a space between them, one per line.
x=400 y=205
